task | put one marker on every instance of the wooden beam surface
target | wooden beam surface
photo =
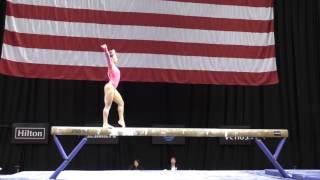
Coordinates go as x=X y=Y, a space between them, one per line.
x=183 y=132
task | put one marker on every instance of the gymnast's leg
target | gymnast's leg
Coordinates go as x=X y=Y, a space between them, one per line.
x=119 y=101
x=108 y=98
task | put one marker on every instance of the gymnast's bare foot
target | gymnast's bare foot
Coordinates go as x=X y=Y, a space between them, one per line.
x=122 y=123
x=107 y=126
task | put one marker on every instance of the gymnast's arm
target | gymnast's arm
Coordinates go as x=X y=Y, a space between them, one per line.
x=108 y=57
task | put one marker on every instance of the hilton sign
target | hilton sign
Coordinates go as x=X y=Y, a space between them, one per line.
x=29 y=133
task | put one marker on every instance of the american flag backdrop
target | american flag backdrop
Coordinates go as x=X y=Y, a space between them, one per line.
x=176 y=41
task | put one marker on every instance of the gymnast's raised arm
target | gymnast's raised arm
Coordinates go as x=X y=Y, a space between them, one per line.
x=108 y=57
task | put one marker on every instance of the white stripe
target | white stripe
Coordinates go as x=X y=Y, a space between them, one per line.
x=97 y=59
x=61 y=28
x=161 y=7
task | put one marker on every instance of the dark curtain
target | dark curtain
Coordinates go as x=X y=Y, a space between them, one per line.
x=292 y=104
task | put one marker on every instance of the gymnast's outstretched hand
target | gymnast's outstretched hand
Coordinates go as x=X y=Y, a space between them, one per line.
x=104 y=47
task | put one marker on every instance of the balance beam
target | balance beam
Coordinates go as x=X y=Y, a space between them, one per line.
x=162 y=132
x=182 y=132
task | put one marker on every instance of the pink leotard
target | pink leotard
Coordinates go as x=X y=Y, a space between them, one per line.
x=113 y=71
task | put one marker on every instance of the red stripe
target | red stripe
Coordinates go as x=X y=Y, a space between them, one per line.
x=140 y=19
x=136 y=74
x=137 y=46
x=251 y=3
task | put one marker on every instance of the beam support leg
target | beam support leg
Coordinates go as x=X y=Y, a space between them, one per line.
x=273 y=158
x=279 y=148
x=67 y=159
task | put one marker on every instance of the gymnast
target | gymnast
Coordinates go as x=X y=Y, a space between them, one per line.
x=111 y=94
